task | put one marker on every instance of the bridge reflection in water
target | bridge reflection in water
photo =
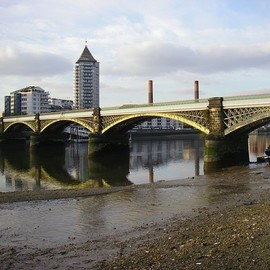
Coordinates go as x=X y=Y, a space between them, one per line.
x=70 y=167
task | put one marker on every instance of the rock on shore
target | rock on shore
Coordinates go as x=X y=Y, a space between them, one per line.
x=233 y=238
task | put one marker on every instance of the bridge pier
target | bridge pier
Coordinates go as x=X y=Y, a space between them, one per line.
x=12 y=138
x=37 y=139
x=2 y=129
x=102 y=144
x=223 y=152
x=2 y=138
x=220 y=150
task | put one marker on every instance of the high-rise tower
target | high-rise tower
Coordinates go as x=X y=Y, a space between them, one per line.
x=86 y=81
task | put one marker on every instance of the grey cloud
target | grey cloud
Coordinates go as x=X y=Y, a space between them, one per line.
x=166 y=58
x=33 y=64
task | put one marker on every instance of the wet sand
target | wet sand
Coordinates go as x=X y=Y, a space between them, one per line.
x=234 y=234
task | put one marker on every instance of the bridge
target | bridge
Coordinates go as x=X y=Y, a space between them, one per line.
x=225 y=121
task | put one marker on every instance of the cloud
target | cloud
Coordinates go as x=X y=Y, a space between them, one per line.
x=19 y=63
x=223 y=44
x=167 y=58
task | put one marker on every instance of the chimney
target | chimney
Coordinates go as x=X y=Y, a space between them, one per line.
x=196 y=90
x=150 y=92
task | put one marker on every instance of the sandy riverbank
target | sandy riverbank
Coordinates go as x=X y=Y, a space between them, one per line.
x=234 y=235
x=233 y=238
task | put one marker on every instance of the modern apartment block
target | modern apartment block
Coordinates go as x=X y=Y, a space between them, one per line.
x=160 y=123
x=29 y=100
x=57 y=104
x=86 y=81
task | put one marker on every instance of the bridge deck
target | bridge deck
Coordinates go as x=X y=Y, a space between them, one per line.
x=182 y=105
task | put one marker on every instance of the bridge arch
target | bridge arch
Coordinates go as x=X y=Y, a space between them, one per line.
x=15 y=126
x=248 y=125
x=61 y=124
x=122 y=123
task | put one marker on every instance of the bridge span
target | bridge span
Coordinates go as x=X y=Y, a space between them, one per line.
x=225 y=122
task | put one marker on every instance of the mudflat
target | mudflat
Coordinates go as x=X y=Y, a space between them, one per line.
x=234 y=235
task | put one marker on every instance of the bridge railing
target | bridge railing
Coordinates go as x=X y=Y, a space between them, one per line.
x=246 y=101
x=19 y=118
x=180 y=105
x=168 y=103
x=160 y=106
x=67 y=114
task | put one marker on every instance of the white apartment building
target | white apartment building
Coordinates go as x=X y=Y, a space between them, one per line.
x=64 y=104
x=29 y=100
x=160 y=123
x=86 y=81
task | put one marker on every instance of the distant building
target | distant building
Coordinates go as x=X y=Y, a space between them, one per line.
x=77 y=133
x=86 y=81
x=160 y=123
x=57 y=104
x=29 y=100
x=7 y=107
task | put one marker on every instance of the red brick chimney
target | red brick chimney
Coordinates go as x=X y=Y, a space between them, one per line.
x=150 y=92
x=196 y=90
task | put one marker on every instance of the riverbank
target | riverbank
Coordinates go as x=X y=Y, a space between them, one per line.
x=232 y=238
x=230 y=234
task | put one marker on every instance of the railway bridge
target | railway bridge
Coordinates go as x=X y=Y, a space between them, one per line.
x=225 y=122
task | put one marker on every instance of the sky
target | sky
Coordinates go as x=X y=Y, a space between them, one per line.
x=224 y=44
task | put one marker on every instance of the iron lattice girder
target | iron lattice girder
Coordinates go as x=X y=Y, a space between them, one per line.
x=238 y=117
x=195 y=118
x=109 y=120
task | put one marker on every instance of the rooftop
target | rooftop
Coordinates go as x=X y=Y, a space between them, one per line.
x=86 y=56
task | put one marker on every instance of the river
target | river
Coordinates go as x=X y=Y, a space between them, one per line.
x=43 y=224
x=150 y=160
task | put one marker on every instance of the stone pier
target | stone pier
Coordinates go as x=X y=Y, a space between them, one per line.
x=221 y=150
x=37 y=139
x=102 y=144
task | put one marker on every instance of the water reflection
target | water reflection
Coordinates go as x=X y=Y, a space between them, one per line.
x=257 y=145
x=59 y=167
x=150 y=160
x=167 y=158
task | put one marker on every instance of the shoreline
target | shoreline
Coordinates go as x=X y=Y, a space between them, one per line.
x=235 y=237
x=24 y=196
x=71 y=193
x=231 y=234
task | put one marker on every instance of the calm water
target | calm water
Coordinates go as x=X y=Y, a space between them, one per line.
x=150 y=160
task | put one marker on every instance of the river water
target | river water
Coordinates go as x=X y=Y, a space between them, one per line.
x=58 y=222
x=150 y=160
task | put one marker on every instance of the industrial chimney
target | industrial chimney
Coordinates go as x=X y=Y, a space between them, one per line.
x=150 y=92
x=196 y=90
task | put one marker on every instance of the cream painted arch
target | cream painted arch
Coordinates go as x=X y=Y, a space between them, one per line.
x=28 y=124
x=155 y=115
x=75 y=121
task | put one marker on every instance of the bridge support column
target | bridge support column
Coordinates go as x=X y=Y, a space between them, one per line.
x=2 y=138
x=37 y=139
x=221 y=151
x=102 y=144
x=216 y=116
